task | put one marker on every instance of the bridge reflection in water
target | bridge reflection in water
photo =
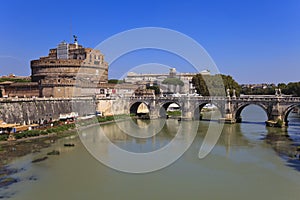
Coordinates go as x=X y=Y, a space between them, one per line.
x=283 y=141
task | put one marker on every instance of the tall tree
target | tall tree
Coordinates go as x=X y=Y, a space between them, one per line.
x=173 y=81
x=215 y=85
x=155 y=88
x=292 y=88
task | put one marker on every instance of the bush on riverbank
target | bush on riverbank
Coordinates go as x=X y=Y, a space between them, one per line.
x=34 y=133
x=99 y=119
x=174 y=113
x=3 y=137
x=59 y=128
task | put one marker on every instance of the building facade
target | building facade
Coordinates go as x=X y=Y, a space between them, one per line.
x=186 y=78
x=68 y=70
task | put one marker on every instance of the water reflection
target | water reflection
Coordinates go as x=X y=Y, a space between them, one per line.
x=243 y=165
x=234 y=136
x=285 y=141
x=172 y=127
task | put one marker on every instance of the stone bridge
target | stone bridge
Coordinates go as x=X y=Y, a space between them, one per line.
x=277 y=107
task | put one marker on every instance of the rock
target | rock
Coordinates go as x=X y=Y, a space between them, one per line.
x=54 y=152
x=40 y=159
x=69 y=145
x=32 y=178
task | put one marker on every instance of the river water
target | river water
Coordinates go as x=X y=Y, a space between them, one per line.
x=243 y=165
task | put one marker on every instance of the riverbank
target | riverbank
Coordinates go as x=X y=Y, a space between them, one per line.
x=35 y=140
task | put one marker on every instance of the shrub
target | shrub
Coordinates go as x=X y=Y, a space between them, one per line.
x=3 y=137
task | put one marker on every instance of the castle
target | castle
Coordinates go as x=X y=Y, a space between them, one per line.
x=69 y=70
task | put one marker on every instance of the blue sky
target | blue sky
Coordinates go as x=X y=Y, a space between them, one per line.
x=253 y=40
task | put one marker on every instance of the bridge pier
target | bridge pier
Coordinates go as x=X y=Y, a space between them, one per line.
x=238 y=119
x=153 y=115
x=187 y=110
x=276 y=117
x=229 y=117
x=276 y=121
x=154 y=110
x=187 y=116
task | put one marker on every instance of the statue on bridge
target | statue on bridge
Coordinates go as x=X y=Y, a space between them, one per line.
x=278 y=92
x=234 y=94
x=228 y=92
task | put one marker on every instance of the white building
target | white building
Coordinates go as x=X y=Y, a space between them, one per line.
x=186 y=78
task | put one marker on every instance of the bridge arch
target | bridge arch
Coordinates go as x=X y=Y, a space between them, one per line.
x=198 y=108
x=133 y=107
x=164 y=107
x=239 y=109
x=287 y=111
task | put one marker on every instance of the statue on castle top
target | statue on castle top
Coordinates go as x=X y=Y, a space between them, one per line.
x=75 y=38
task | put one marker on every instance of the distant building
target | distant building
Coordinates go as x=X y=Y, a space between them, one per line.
x=259 y=86
x=186 y=78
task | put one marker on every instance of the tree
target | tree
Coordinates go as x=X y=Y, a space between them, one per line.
x=155 y=88
x=269 y=90
x=200 y=85
x=292 y=88
x=231 y=84
x=215 y=85
x=115 y=81
x=173 y=81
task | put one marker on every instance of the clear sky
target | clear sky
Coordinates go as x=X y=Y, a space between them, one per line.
x=253 y=40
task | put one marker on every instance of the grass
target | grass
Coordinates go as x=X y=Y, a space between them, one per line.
x=174 y=113
x=60 y=128
x=34 y=133
x=101 y=120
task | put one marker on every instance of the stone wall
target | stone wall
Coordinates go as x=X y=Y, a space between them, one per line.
x=22 y=90
x=29 y=110
x=112 y=107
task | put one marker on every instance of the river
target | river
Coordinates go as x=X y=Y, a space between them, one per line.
x=244 y=164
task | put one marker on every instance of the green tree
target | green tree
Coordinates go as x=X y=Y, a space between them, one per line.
x=292 y=88
x=155 y=88
x=215 y=85
x=173 y=81
x=259 y=91
x=115 y=81
x=231 y=84
x=282 y=86
x=200 y=85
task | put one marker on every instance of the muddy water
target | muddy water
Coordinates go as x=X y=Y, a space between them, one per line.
x=243 y=165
